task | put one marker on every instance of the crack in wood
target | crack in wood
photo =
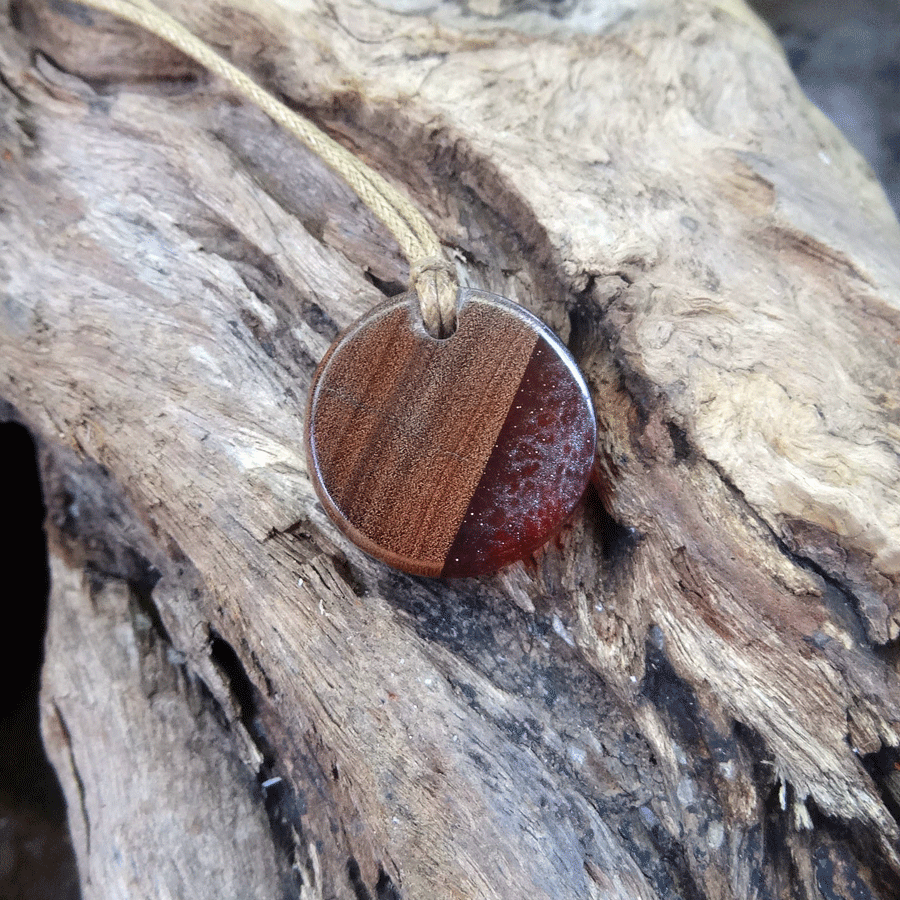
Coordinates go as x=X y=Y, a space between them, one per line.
x=851 y=601
x=82 y=791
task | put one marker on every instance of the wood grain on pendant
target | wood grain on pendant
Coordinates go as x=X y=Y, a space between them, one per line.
x=449 y=457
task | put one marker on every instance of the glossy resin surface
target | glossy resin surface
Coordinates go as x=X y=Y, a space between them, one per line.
x=449 y=457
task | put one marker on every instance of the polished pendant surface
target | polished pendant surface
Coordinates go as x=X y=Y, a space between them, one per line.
x=449 y=457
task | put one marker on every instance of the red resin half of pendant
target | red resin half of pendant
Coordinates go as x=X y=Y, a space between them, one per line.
x=450 y=457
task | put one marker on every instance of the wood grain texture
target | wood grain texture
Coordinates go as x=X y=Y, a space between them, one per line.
x=401 y=426
x=451 y=457
x=122 y=817
x=694 y=692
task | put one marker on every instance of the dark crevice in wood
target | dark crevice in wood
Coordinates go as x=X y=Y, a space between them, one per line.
x=839 y=591
x=104 y=89
x=782 y=866
x=617 y=541
x=130 y=566
x=242 y=689
x=349 y=574
x=246 y=699
x=82 y=795
x=672 y=696
x=263 y=277
x=20 y=98
x=667 y=870
x=270 y=687
x=88 y=509
x=74 y=11
x=279 y=800
x=23 y=549
x=847 y=863
x=320 y=321
x=643 y=396
x=466 y=618
x=833 y=879
x=356 y=882
x=253 y=324
x=889 y=653
x=780 y=873
x=31 y=23
x=388 y=288
x=585 y=335
x=269 y=285
x=831 y=845
x=285 y=816
x=38 y=858
x=677 y=705
x=15 y=15
x=763 y=846
x=385 y=889
x=459 y=615
x=854 y=583
x=301 y=540
x=884 y=768
x=681 y=443
x=584 y=322
x=141 y=594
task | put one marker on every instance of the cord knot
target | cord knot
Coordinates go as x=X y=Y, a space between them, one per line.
x=433 y=279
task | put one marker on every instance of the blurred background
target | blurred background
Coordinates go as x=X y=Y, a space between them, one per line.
x=846 y=54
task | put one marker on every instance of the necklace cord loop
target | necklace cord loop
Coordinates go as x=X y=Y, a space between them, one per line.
x=432 y=277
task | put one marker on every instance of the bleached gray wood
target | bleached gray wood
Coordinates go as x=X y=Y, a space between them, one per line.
x=693 y=692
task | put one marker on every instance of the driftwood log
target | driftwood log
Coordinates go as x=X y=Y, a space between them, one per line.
x=692 y=692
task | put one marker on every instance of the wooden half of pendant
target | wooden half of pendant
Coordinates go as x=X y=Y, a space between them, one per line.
x=449 y=457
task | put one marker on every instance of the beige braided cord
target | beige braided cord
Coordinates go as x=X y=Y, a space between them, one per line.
x=431 y=275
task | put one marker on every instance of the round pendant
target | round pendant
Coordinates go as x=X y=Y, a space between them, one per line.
x=449 y=457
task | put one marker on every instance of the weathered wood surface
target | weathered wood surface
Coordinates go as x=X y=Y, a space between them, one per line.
x=692 y=693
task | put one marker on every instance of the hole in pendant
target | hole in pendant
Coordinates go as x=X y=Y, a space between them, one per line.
x=444 y=331
x=443 y=334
